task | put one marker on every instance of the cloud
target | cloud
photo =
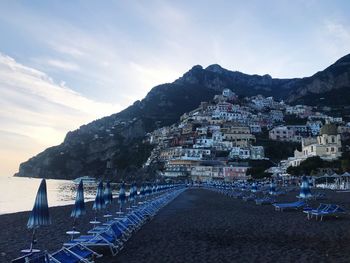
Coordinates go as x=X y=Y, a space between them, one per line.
x=36 y=112
x=64 y=65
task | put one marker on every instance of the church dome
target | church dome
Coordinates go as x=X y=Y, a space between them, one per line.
x=329 y=129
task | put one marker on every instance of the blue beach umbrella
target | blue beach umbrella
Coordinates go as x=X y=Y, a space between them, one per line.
x=122 y=196
x=79 y=206
x=99 y=202
x=146 y=190
x=142 y=191
x=107 y=194
x=40 y=214
x=272 y=190
x=305 y=188
x=131 y=193
x=254 y=187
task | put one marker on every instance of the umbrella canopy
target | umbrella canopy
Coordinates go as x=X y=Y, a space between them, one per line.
x=272 y=190
x=305 y=188
x=40 y=214
x=346 y=174
x=99 y=203
x=79 y=206
x=107 y=194
x=254 y=187
x=122 y=196
x=132 y=193
x=142 y=191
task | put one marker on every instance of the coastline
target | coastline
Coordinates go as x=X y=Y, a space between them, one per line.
x=204 y=226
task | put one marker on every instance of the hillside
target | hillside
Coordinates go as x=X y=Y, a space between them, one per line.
x=112 y=146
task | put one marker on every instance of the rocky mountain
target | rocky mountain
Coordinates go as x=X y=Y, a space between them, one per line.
x=113 y=146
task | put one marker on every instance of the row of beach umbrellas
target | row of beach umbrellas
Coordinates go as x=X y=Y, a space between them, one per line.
x=305 y=191
x=40 y=216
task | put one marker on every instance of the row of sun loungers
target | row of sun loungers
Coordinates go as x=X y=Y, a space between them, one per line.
x=324 y=210
x=112 y=235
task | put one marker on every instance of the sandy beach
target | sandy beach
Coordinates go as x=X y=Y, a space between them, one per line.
x=204 y=226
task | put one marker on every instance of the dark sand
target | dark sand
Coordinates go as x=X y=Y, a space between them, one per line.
x=204 y=226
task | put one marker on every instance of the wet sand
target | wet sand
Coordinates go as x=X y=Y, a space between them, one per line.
x=204 y=226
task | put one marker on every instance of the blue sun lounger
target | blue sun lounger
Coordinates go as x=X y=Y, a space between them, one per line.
x=293 y=205
x=320 y=208
x=331 y=210
x=103 y=239
x=40 y=257
x=74 y=254
x=264 y=201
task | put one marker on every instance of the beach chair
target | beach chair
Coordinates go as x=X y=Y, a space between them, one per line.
x=264 y=201
x=117 y=229
x=320 y=208
x=103 y=239
x=249 y=198
x=293 y=205
x=41 y=257
x=65 y=256
x=331 y=210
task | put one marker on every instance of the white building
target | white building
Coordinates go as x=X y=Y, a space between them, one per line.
x=327 y=146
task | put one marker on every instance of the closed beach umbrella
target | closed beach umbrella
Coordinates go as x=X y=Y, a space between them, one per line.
x=254 y=187
x=305 y=188
x=122 y=196
x=107 y=194
x=142 y=191
x=79 y=206
x=99 y=203
x=272 y=190
x=146 y=190
x=132 y=193
x=40 y=214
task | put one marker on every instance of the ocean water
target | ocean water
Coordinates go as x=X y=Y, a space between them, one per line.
x=18 y=194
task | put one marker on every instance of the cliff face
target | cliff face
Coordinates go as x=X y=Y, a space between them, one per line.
x=112 y=146
x=334 y=78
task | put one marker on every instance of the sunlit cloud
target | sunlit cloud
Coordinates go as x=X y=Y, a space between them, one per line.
x=64 y=65
x=38 y=111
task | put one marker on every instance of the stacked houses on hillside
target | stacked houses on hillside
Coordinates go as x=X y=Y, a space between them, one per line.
x=217 y=140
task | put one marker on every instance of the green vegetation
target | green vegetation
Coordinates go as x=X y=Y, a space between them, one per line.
x=293 y=120
x=275 y=150
x=257 y=169
x=312 y=165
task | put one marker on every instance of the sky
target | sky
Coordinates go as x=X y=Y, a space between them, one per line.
x=65 y=63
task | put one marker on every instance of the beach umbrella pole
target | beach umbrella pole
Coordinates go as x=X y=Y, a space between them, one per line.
x=74 y=224
x=33 y=241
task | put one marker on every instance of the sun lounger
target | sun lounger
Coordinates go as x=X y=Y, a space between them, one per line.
x=331 y=210
x=74 y=254
x=265 y=201
x=40 y=257
x=249 y=198
x=65 y=256
x=320 y=208
x=104 y=239
x=293 y=205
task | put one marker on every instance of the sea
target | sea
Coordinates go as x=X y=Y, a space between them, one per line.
x=18 y=193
